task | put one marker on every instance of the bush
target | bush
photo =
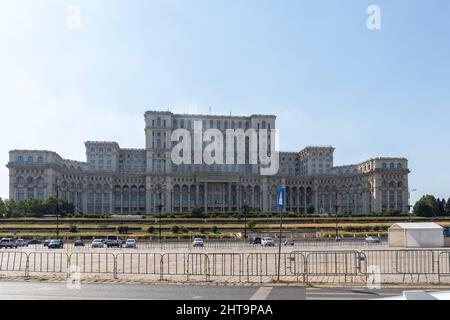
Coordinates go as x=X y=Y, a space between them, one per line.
x=150 y=229
x=215 y=229
x=310 y=209
x=123 y=229
x=203 y=230
x=251 y=224
x=73 y=229
x=196 y=212
x=175 y=229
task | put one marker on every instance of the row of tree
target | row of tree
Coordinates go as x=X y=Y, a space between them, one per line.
x=35 y=208
x=429 y=206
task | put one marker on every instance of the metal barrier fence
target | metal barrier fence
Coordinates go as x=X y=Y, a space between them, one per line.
x=13 y=261
x=98 y=262
x=138 y=263
x=47 y=262
x=256 y=265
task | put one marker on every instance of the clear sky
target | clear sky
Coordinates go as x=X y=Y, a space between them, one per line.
x=315 y=64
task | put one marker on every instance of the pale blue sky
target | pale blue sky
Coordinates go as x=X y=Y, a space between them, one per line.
x=314 y=64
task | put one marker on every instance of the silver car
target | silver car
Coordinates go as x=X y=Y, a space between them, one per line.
x=97 y=243
x=130 y=243
x=267 y=242
x=198 y=242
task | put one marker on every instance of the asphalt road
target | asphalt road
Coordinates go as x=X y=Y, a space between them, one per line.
x=59 y=291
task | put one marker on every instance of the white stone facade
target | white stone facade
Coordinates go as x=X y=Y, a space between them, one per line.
x=127 y=181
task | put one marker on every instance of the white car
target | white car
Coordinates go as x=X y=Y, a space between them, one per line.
x=372 y=239
x=267 y=242
x=130 y=243
x=198 y=242
x=97 y=243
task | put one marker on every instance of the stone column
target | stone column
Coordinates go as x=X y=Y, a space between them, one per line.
x=229 y=196
x=205 y=197
x=196 y=195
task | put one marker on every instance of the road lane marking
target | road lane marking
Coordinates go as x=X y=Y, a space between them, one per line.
x=261 y=294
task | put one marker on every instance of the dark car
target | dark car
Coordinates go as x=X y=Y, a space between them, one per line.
x=46 y=242
x=78 y=243
x=289 y=243
x=255 y=240
x=34 y=241
x=56 y=244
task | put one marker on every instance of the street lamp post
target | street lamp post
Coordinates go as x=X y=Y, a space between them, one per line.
x=336 y=216
x=245 y=211
x=160 y=206
x=57 y=210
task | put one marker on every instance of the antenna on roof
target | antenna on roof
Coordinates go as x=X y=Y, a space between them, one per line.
x=230 y=113
x=209 y=110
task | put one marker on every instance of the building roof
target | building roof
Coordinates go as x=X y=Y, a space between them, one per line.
x=416 y=225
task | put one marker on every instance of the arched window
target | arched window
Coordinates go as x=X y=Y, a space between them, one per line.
x=158 y=121
x=30 y=159
x=40 y=159
x=19 y=159
x=384 y=165
x=392 y=166
x=399 y=165
x=30 y=180
x=20 y=180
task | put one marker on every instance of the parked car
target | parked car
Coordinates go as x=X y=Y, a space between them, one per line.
x=97 y=243
x=267 y=242
x=21 y=243
x=56 y=244
x=34 y=241
x=255 y=240
x=372 y=239
x=289 y=242
x=78 y=243
x=130 y=243
x=113 y=241
x=46 y=242
x=8 y=243
x=198 y=242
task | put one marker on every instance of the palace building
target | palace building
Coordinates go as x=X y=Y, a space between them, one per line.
x=115 y=180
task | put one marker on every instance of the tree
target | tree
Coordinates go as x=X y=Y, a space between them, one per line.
x=427 y=206
x=10 y=207
x=73 y=229
x=215 y=229
x=447 y=207
x=2 y=206
x=150 y=229
x=175 y=229
x=54 y=205
x=442 y=207
x=423 y=209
